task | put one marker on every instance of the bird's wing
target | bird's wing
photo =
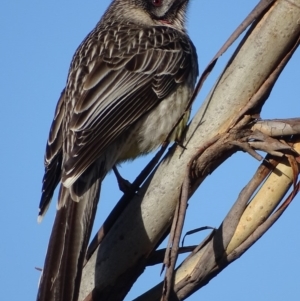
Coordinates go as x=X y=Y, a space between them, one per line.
x=53 y=157
x=129 y=71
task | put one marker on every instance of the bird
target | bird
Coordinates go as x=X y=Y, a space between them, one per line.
x=129 y=82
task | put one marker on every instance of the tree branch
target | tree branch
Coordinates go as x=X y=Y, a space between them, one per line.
x=122 y=256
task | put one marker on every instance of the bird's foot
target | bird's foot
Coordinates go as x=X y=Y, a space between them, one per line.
x=124 y=185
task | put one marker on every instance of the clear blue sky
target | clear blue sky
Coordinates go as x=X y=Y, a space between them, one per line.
x=38 y=39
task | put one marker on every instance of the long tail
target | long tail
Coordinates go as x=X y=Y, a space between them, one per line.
x=71 y=231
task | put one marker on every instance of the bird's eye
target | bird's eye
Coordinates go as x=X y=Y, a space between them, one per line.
x=157 y=2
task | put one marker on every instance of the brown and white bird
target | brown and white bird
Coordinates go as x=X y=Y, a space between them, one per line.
x=129 y=82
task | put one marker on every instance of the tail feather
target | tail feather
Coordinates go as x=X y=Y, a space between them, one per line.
x=68 y=243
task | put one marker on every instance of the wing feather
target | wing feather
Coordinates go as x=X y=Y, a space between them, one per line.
x=123 y=84
x=53 y=158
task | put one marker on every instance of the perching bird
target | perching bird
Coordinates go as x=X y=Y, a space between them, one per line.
x=129 y=82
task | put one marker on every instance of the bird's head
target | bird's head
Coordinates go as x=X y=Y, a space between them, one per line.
x=151 y=12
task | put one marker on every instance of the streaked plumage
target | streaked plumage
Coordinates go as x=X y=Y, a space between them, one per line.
x=129 y=82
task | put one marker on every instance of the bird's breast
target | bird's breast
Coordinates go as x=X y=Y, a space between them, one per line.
x=151 y=130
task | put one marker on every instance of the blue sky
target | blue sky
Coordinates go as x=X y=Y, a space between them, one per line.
x=38 y=39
